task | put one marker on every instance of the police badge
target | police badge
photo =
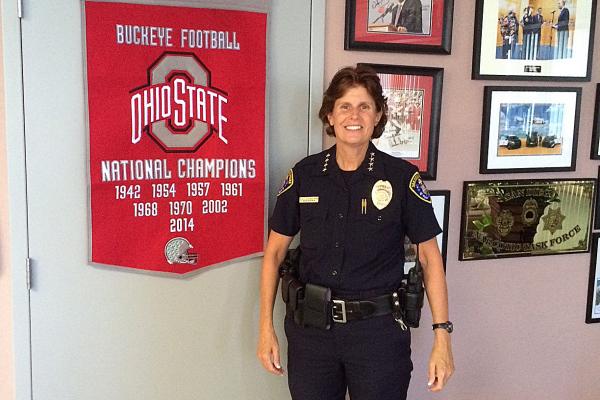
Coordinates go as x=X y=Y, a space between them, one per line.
x=381 y=194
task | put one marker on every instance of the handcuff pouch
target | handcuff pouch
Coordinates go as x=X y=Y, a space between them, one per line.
x=317 y=305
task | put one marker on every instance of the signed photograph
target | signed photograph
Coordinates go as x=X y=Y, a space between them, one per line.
x=414 y=99
x=420 y=26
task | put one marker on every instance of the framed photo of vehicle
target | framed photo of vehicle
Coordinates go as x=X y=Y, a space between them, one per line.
x=595 y=154
x=527 y=129
x=542 y=40
x=414 y=98
x=440 y=200
x=592 y=314
x=520 y=218
x=420 y=26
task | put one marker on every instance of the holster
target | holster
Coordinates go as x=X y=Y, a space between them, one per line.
x=292 y=292
x=411 y=294
x=308 y=304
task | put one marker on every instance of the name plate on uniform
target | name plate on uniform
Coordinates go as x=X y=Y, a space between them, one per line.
x=309 y=199
x=526 y=217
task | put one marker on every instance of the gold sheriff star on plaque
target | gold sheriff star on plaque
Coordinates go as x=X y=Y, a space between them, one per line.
x=553 y=221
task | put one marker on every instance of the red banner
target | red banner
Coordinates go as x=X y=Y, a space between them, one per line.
x=176 y=104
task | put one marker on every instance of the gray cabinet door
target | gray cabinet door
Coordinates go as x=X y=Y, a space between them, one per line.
x=101 y=333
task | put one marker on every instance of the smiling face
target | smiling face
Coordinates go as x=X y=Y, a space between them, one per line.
x=354 y=117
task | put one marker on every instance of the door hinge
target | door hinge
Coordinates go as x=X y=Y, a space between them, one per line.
x=28 y=272
x=20 y=8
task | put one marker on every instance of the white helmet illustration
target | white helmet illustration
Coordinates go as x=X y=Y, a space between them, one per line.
x=177 y=252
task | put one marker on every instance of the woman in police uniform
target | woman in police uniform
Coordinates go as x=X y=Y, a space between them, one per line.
x=353 y=206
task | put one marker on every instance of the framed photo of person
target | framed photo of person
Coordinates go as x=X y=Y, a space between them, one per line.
x=595 y=155
x=526 y=218
x=528 y=129
x=541 y=40
x=420 y=26
x=414 y=98
x=440 y=200
x=592 y=314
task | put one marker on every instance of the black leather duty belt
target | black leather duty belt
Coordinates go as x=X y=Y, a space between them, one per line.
x=343 y=311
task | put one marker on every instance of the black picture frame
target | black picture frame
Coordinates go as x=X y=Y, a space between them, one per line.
x=592 y=314
x=412 y=79
x=529 y=129
x=485 y=233
x=595 y=153
x=360 y=36
x=573 y=65
x=439 y=198
x=597 y=206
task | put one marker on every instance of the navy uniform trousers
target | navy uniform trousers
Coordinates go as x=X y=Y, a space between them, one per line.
x=323 y=363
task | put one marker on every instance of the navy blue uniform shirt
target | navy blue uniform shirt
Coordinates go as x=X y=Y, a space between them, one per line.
x=352 y=235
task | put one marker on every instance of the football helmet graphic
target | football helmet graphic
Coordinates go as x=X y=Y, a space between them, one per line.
x=177 y=252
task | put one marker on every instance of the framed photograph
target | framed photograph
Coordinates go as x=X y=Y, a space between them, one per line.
x=595 y=155
x=539 y=40
x=529 y=129
x=597 y=213
x=414 y=98
x=526 y=218
x=593 y=299
x=440 y=200
x=420 y=26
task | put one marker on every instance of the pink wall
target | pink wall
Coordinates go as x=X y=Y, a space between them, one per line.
x=520 y=323
x=6 y=342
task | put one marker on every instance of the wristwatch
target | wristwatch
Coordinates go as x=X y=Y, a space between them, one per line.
x=444 y=325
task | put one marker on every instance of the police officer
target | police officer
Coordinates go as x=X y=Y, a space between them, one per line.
x=353 y=206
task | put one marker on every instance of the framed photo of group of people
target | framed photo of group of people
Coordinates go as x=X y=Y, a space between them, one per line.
x=534 y=40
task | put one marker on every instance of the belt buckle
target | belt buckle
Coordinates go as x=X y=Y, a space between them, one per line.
x=339 y=307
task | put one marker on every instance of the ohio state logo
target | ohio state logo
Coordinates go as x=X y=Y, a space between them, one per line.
x=178 y=108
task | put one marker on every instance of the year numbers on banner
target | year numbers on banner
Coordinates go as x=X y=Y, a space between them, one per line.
x=145 y=209
x=198 y=189
x=231 y=189
x=181 y=224
x=127 y=192
x=180 y=207
x=162 y=190
x=214 y=206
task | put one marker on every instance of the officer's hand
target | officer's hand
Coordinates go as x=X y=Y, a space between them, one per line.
x=268 y=351
x=441 y=364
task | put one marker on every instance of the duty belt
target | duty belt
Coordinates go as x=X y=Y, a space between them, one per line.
x=343 y=311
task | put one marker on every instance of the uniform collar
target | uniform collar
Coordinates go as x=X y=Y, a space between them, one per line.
x=372 y=165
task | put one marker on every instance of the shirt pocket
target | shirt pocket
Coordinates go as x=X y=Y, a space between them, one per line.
x=377 y=226
x=312 y=225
